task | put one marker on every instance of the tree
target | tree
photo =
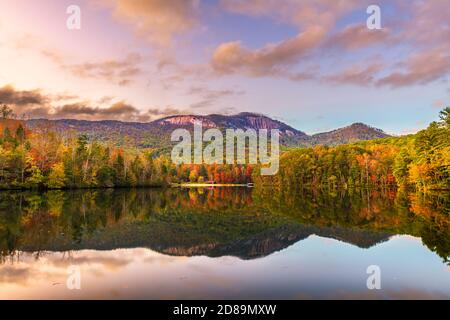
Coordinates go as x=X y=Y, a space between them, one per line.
x=105 y=177
x=119 y=171
x=57 y=177
x=193 y=176
x=46 y=146
x=444 y=115
x=34 y=175
x=5 y=156
x=401 y=164
x=20 y=134
x=20 y=161
x=203 y=172
x=6 y=112
x=7 y=134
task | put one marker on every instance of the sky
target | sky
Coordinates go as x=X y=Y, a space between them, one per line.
x=313 y=64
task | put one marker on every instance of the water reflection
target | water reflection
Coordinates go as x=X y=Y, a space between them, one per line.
x=223 y=243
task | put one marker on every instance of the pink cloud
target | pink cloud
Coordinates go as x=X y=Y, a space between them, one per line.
x=420 y=68
x=156 y=20
x=233 y=57
x=359 y=75
x=356 y=37
x=427 y=32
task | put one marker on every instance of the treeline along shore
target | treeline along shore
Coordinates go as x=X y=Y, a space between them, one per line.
x=418 y=161
x=46 y=159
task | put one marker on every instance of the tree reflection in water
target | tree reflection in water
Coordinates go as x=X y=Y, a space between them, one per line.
x=239 y=222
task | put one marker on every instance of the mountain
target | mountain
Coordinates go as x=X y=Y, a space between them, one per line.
x=180 y=240
x=118 y=133
x=352 y=133
x=244 y=121
x=156 y=134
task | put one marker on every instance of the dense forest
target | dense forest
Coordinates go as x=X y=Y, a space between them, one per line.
x=421 y=161
x=45 y=159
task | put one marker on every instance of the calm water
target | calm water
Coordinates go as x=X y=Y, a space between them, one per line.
x=223 y=243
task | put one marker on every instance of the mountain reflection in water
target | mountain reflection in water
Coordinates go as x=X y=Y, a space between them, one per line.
x=106 y=230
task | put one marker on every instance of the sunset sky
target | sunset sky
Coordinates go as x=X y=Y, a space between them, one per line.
x=311 y=63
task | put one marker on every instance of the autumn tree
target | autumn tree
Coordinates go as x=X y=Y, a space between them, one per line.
x=6 y=112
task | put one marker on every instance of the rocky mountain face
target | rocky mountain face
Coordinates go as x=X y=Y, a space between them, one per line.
x=156 y=134
x=242 y=121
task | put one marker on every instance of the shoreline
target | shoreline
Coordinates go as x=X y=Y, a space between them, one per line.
x=219 y=185
x=207 y=185
x=161 y=186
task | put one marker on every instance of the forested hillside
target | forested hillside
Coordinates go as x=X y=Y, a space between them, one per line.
x=421 y=160
x=156 y=134
x=352 y=133
x=45 y=158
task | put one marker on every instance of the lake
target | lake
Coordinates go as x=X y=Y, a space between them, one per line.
x=223 y=243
